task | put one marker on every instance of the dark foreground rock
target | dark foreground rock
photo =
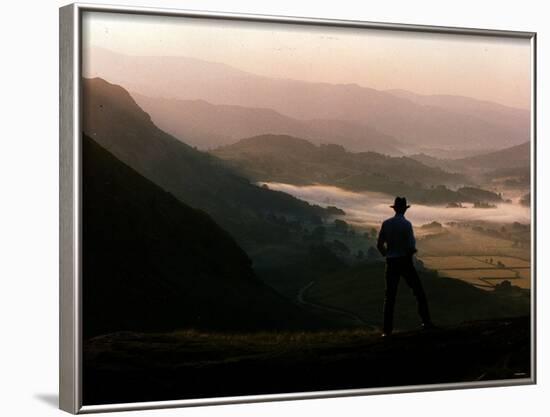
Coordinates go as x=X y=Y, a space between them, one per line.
x=129 y=367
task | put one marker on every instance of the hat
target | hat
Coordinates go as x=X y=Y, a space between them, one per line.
x=400 y=203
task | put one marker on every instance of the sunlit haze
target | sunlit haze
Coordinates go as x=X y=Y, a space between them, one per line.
x=371 y=208
x=481 y=67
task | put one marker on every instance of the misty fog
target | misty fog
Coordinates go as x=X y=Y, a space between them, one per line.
x=372 y=208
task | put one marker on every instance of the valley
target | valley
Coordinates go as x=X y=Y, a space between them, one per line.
x=234 y=181
x=322 y=222
x=483 y=247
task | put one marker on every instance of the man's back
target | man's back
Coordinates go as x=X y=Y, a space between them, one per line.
x=397 y=233
x=396 y=242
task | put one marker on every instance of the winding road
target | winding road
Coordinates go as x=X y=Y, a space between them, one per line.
x=300 y=298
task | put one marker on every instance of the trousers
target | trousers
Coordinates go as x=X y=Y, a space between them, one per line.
x=403 y=267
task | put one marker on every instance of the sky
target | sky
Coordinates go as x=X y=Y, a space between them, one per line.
x=486 y=68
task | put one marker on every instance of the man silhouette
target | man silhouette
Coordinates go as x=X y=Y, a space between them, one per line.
x=397 y=243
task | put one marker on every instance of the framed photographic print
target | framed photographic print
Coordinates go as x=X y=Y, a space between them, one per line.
x=258 y=208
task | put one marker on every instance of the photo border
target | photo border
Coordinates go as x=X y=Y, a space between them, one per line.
x=70 y=201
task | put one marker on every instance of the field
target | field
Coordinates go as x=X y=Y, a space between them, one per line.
x=452 y=262
x=472 y=254
x=487 y=278
x=359 y=291
x=464 y=240
x=505 y=261
x=480 y=271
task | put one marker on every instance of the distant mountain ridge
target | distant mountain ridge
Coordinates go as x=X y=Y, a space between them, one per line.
x=282 y=158
x=300 y=154
x=514 y=157
x=487 y=110
x=405 y=120
x=113 y=119
x=207 y=126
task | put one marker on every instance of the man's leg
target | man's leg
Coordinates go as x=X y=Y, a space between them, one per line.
x=413 y=281
x=392 y=281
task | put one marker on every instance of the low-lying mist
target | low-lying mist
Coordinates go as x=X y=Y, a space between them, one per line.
x=366 y=208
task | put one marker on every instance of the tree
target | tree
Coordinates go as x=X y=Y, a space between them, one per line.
x=340 y=246
x=340 y=225
x=318 y=233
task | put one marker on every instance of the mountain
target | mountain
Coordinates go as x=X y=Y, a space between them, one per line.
x=152 y=263
x=207 y=126
x=508 y=159
x=405 y=120
x=298 y=160
x=113 y=119
x=486 y=110
x=281 y=158
x=513 y=157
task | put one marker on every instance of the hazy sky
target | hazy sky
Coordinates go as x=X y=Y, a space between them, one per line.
x=487 y=68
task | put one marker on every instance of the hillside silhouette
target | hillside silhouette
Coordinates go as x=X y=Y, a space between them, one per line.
x=409 y=122
x=113 y=119
x=195 y=365
x=152 y=263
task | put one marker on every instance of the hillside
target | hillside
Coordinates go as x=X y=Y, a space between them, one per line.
x=303 y=159
x=280 y=158
x=359 y=289
x=113 y=119
x=207 y=126
x=513 y=157
x=511 y=164
x=151 y=263
x=219 y=365
x=485 y=110
x=412 y=123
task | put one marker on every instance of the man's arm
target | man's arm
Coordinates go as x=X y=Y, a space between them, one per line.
x=412 y=240
x=381 y=244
